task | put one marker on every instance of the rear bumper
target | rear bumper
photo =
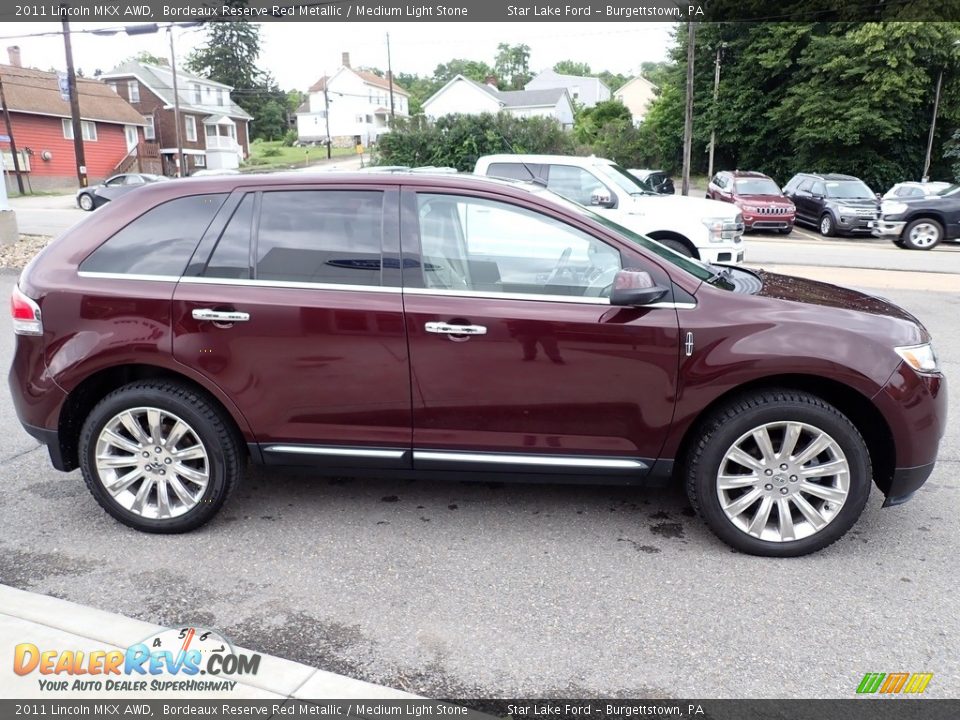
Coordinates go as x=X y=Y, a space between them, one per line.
x=906 y=481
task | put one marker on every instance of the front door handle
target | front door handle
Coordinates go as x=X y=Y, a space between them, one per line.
x=220 y=316
x=447 y=329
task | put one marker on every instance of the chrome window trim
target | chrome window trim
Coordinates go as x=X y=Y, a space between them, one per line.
x=337 y=451
x=436 y=292
x=536 y=460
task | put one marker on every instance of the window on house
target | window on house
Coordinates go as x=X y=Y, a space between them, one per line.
x=133 y=91
x=149 y=131
x=190 y=123
x=200 y=161
x=219 y=96
x=88 y=130
x=209 y=92
x=197 y=93
x=113 y=86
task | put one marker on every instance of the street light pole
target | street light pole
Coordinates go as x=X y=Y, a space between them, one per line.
x=933 y=124
x=688 y=112
x=716 y=93
x=326 y=113
x=390 y=76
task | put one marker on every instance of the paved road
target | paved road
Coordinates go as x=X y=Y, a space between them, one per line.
x=459 y=590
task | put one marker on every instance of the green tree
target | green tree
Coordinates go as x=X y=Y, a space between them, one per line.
x=271 y=123
x=614 y=81
x=572 y=67
x=590 y=121
x=148 y=58
x=473 y=69
x=512 y=66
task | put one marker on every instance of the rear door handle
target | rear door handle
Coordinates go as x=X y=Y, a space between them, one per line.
x=219 y=316
x=447 y=329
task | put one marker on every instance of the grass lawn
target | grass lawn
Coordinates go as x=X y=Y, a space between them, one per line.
x=266 y=154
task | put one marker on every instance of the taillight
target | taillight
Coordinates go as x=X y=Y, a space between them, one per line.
x=25 y=313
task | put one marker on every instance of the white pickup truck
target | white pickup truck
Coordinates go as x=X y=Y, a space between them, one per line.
x=709 y=230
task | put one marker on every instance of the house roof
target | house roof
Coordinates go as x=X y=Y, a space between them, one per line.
x=159 y=80
x=368 y=77
x=511 y=98
x=552 y=75
x=38 y=93
x=638 y=79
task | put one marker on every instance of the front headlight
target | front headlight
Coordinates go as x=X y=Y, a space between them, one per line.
x=751 y=208
x=893 y=208
x=721 y=229
x=921 y=358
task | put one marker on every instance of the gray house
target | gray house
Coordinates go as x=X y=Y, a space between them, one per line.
x=587 y=91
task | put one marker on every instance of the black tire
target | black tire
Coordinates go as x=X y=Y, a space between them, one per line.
x=206 y=421
x=900 y=243
x=786 y=231
x=724 y=427
x=677 y=246
x=826 y=226
x=915 y=239
x=86 y=202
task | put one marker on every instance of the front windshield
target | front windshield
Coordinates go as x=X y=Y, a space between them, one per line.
x=696 y=268
x=757 y=186
x=949 y=190
x=626 y=181
x=849 y=190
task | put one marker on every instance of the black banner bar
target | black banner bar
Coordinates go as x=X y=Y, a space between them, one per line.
x=478 y=709
x=133 y=11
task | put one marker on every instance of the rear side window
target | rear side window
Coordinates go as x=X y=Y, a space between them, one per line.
x=515 y=171
x=159 y=242
x=231 y=256
x=320 y=236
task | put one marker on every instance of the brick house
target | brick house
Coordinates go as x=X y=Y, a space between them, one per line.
x=43 y=131
x=214 y=131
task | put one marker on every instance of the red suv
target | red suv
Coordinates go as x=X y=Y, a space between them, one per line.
x=459 y=327
x=762 y=204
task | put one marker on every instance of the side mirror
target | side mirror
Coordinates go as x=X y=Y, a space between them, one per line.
x=635 y=288
x=602 y=199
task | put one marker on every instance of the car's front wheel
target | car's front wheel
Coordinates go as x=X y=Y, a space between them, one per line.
x=86 y=202
x=923 y=234
x=779 y=473
x=677 y=246
x=827 y=228
x=159 y=457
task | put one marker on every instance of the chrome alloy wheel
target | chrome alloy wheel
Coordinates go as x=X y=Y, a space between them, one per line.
x=924 y=234
x=152 y=463
x=783 y=481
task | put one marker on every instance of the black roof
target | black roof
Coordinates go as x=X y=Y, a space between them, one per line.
x=833 y=177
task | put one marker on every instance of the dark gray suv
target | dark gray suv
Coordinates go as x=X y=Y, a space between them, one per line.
x=834 y=204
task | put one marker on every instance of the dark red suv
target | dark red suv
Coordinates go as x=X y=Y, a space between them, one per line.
x=761 y=202
x=460 y=327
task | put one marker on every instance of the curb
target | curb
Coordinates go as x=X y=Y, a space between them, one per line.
x=62 y=625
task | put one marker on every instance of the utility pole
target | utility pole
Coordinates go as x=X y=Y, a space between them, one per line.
x=390 y=76
x=176 y=104
x=326 y=113
x=688 y=111
x=933 y=125
x=13 y=142
x=716 y=93
x=74 y=108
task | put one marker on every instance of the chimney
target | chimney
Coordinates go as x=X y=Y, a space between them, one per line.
x=14 y=53
x=345 y=59
x=491 y=81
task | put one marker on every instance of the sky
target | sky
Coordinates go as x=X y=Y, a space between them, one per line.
x=297 y=53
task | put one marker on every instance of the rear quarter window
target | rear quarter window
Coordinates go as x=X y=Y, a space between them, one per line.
x=159 y=242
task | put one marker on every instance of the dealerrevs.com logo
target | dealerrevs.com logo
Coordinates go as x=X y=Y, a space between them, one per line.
x=894 y=683
x=186 y=660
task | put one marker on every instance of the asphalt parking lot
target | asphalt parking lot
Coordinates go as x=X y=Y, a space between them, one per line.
x=463 y=590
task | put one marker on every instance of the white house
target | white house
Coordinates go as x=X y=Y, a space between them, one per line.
x=468 y=97
x=587 y=91
x=637 y=96
x=358 y=103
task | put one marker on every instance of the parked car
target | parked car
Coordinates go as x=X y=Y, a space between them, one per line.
x=470 y=329
x=93 y=196
x=921 y=223
x=834 y=204
x=655 y=181
x=760 y=200
x=909 y=190
x=702 y=229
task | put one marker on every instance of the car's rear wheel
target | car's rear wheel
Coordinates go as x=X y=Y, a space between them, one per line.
x=159 y=456
x=779 y=473
x=923 y=234
x=827 y=228
x=86 y=202
x=677 y=246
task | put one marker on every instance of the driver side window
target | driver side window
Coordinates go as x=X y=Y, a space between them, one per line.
x=487 y=246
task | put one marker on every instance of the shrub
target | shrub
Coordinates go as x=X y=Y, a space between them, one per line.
x=290 y=138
